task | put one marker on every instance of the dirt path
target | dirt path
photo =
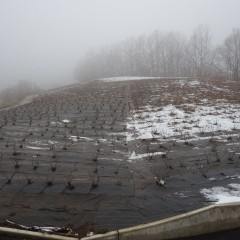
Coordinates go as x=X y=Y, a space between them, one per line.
x=24 y=101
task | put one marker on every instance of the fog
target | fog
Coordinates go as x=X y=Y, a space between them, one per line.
x=43 y=40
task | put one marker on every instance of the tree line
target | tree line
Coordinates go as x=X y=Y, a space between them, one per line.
x=165 y=54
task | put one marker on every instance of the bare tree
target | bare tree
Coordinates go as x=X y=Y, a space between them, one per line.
x=165 y=54
x=202 y=54
x=230 y=53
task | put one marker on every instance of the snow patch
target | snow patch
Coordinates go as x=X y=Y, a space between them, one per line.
x=129 y=78
x=170 y=121
x=37 y=148
x=66 y=121
x=134 y=156
x=219 y=195
x=77 y=138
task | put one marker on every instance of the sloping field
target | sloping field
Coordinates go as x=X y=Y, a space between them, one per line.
x=109 y=155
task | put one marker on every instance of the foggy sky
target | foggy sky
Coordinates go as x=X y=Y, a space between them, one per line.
x=42 y=40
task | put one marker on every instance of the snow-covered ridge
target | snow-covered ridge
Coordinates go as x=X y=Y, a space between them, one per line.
x=129 y=78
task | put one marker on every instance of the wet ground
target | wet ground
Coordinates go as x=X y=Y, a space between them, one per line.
x=67 y=160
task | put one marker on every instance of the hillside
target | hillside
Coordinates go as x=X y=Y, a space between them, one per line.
x=112 y=154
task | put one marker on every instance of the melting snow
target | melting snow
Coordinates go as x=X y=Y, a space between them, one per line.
x=66 y=121
x=77 y=138
x=56 y=123
x=124 y=78
x=171 y=121
x=182 y=82
x=135 y=156
x=219 y=195
x=129 y=78
x=37 y=148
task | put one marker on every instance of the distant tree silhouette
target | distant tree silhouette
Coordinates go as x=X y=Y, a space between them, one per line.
x=165 y=54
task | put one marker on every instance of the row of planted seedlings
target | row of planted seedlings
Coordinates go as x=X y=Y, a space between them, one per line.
x=169 y=157
x=162 y=92
x=22 y=160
